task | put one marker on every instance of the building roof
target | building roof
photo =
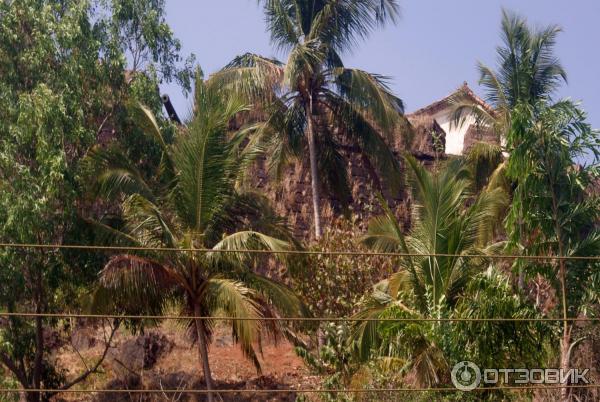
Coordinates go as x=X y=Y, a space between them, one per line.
x=443 y=103
x=425 y=126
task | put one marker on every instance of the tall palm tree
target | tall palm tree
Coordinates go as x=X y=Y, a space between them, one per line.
x=313 y=104
x=193 y=204
x=527 y=71
x=425 y=285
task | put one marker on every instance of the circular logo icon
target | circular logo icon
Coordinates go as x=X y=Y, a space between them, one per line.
x=466 y=376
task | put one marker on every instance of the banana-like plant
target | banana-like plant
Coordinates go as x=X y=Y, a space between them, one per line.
x=313 y=105
x=192 y=203
x=448 y=222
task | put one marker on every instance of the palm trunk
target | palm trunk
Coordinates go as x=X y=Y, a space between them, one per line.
x=564 y=360
x=562 y=273
x=521 y=281
x=566 y=339
x=203 y=352
x=314 y=174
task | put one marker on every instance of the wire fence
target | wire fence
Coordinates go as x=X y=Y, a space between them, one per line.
x=305 y=390
x=296 y=319
x=294 y=252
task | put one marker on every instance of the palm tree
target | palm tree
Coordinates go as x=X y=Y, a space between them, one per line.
x=554 y=189
x=527 y=71
x=426 y=285
x=313 y=104
x=193 y=204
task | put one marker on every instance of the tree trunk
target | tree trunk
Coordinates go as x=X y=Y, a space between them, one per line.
x=521 y=281
x=566 y=339
x=314 y=174
x=39 y=339
x=564 y=362
x=32 y=397
x=562 y=273
x=203 y=352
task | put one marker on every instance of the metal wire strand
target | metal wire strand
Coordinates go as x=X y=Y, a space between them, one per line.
x=293 y=252
x=295 y=319
x=303 y=390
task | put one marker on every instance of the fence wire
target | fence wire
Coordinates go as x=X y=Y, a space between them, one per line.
x=295 y=319
x=303 y=390
x=294 y=252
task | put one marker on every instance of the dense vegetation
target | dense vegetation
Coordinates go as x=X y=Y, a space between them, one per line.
x=88 y=158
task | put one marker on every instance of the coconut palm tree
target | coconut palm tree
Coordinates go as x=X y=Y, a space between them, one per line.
x=193 y=204
x=426 y=285
x=313 y=105
x=527 y=71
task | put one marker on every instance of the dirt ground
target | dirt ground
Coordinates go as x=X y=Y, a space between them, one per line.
x=164 y=358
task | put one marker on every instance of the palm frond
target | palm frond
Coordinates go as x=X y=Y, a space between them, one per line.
x=115 y=174
x=234 y=300
x=333 y=169
x=304 y=60
x=257 y=79
x=276 y=294
x=111 y=231
x=282 y=23
x=483 y=159
x=370 y=93
x=341 y=24
x=384 y=233
x=132 y=284
x=251 y=211
x=145 y=119
x=247 y=240
x=147 y=224
x=495 y=90
x=364 y=336
x=361 y=133
x=203 y=158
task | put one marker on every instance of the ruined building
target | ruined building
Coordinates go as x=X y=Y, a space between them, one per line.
x=430 y=136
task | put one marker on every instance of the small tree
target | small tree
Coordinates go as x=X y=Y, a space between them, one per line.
x=427 y=286
x=194 y=206
x=552 y=191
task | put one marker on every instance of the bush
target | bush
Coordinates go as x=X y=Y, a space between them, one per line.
x=333 y=284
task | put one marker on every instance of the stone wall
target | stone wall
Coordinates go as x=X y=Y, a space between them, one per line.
x=291 y=196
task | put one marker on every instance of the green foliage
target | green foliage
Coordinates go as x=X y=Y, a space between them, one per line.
x=553 y=212
x=499 y=344
x=483 y=160
x=553 y=190
x=421 y=353
x=192 y=202
x=332 y=287
x=48 y=105
x=448 y=219
x=441 y=225
x=527 y=71
x=138 y=28
x=62 y=82
x=333 y=359
x=335 y=283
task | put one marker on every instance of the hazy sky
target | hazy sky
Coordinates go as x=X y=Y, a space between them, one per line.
x=430 y=52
